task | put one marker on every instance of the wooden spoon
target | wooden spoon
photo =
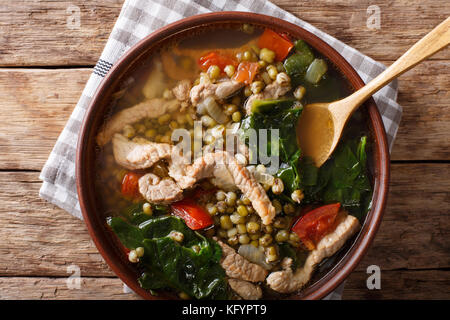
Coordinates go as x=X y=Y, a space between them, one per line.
x=320 y=125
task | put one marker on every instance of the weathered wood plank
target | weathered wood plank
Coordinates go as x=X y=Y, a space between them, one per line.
x=44 y=32
x=400 y=284
x=38 y=239
x=402 y=23
x=37 y=33
x=425 y=98
x=36 y=104
x=40 y=288
x=415 y=229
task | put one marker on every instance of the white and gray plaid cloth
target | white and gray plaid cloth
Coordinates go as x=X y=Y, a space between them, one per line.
x=138 y=19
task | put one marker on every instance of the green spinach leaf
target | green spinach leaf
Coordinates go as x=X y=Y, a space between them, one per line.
x=297 y=64
x=130 y=236
x=274 y=114
x=283 y=115
x=169 y=264
x=290 y=174
x=343 y=178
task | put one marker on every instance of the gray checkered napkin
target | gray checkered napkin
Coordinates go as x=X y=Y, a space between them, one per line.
x=138 y=19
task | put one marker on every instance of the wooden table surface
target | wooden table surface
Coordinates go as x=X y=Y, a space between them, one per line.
x=44 y=66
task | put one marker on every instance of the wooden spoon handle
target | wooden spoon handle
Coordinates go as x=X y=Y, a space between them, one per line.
x=434 y=41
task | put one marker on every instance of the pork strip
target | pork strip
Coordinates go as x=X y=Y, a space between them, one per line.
x=287 y=281
x=245 y=289
x=152 y=108
x=138 y=155
x=237 y=267
x=181 y=90
x=157 y=190
x=211 y=163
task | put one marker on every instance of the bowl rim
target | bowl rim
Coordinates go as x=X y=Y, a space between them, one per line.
x=342 y=269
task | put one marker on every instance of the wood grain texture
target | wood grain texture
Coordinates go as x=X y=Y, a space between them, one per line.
x=425 y=97
x=415 y=228
x=38 y=239
x=37 y=33
x=38 y=288
x=402 y=23
x=36 y=104
x=400 y=284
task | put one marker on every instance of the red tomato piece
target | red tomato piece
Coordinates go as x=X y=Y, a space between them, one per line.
x=215 y=58
x=316 y=223
x=303 y=211
x=246 y=72
x=194 y=215
x=130 y=185
x=280 y=44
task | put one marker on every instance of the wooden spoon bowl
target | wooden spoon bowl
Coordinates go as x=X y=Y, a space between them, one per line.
x=321 y=124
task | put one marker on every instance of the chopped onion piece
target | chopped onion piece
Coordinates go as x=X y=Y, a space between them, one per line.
x=264 y=178
x=255 y=255
x=214 y=110
x=316 y=70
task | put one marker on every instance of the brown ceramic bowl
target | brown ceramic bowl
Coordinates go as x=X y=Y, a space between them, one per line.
x=108 y=245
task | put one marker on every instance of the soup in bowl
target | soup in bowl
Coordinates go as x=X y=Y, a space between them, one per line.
x=201 y=189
